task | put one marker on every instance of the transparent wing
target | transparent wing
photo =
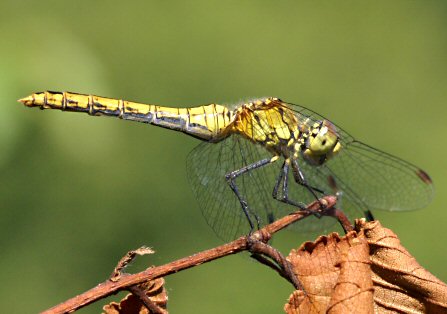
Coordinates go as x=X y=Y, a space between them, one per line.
x=370 y=177
x=207 y=166
x=380 y=180
x=323 y=178
x=367 y=179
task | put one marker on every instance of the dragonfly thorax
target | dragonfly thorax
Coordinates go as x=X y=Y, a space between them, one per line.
x=267 y=122
x=270 y=123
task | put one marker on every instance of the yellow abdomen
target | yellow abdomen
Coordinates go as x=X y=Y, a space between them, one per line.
x=210 y=122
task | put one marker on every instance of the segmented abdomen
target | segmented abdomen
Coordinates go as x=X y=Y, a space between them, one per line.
x=209 y=122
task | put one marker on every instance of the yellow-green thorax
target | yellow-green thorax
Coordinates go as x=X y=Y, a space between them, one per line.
x=273 y=124
x=269 y=123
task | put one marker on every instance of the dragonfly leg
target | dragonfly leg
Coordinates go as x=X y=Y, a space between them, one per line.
x=301 y=180
x=230 y=177
x=282 y=180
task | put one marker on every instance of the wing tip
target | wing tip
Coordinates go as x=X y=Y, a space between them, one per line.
x=424 y=176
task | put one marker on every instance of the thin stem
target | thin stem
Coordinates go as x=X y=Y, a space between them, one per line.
x=126 y=281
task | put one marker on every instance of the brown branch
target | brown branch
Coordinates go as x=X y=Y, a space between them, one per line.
x=282 y=266
x=126 y=281
x=341 y=217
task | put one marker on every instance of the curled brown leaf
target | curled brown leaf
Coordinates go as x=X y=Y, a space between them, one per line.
x=400 y=283
x=131 y=304
x=365 y=271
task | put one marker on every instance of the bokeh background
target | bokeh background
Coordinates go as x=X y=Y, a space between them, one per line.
x=77 y=192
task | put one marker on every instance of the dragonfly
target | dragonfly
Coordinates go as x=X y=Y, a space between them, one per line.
x=259 y=160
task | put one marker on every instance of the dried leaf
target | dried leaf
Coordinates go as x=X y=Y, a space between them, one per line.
x=335 y=274
x=131 y=304
x=400 y=283
x=363 y=272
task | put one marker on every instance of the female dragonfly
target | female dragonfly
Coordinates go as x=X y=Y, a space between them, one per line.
x=258 y=159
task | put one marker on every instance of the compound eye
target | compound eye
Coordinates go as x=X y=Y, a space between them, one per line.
x=323 y=142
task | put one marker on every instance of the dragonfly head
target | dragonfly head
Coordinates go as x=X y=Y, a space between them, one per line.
x=321 y=143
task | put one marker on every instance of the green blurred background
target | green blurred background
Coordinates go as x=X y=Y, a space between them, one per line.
x=77 y=192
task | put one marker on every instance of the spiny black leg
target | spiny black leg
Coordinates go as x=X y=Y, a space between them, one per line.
x=243 y=204
x=283 y=179
x=282 y=173
x=300 y=179
x=230 y=177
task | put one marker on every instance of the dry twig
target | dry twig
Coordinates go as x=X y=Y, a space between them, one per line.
x=127 y=281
